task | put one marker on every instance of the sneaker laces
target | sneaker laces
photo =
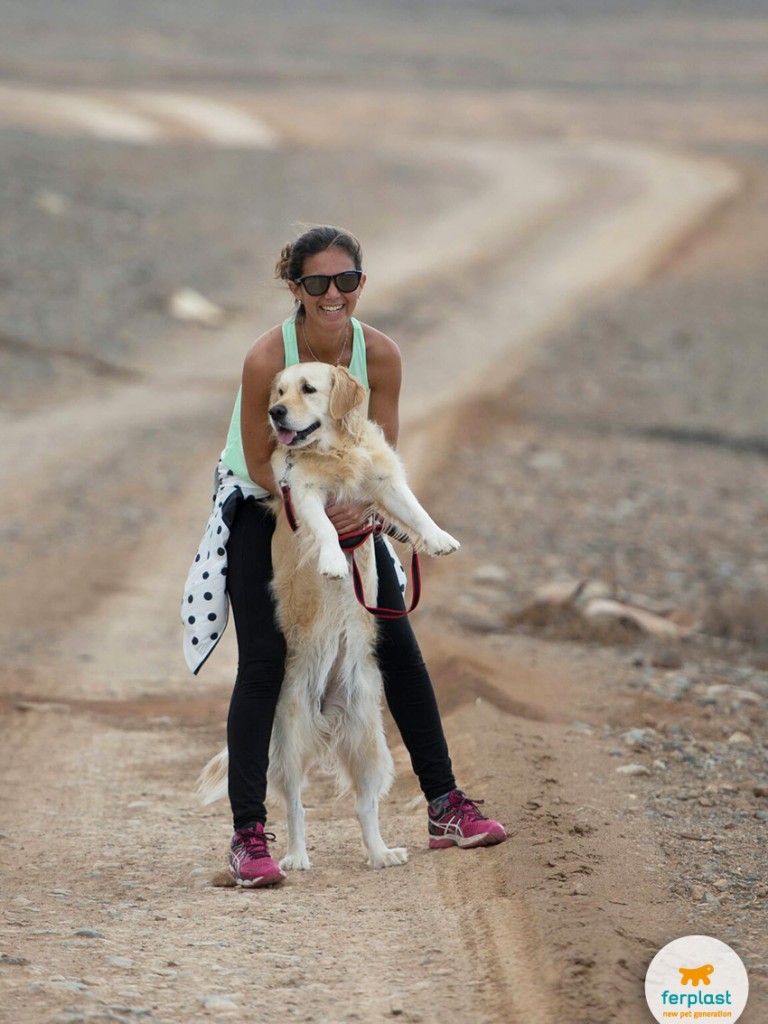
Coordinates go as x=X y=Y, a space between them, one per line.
x=254 y=841
x=468 y=807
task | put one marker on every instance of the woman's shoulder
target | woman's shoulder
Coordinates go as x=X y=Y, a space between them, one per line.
x=267 y=353
x=380 y=348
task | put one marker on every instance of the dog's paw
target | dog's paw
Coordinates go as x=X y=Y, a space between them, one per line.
x=440 y=543
x=296 y=862
x=389 y=858
x=333 y=564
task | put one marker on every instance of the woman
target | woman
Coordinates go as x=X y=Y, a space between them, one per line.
x=323 y=270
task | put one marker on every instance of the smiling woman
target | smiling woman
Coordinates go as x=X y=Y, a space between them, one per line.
x=324 y=272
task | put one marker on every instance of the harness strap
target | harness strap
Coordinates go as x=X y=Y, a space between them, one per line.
x=350 y=542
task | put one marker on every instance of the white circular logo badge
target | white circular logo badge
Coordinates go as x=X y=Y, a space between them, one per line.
x=696 y=978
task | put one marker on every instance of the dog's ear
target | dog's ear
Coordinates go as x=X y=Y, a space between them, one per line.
x=346 y=393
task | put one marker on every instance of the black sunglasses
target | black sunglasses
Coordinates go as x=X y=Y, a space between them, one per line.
x=318 y=284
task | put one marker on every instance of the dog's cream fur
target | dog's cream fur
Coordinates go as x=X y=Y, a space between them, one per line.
x=329 y=709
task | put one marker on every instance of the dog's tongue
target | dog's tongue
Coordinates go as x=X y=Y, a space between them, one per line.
x=285 y=436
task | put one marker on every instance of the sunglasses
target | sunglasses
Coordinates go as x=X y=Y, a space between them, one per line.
x=318 y=284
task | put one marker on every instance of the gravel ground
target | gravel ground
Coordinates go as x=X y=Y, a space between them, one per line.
x=634 y=451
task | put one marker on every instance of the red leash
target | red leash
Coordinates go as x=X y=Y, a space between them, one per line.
x=350 y=542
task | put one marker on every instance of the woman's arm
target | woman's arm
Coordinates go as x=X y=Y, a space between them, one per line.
x=385 y=374
x=384 y=380
x=263 y=362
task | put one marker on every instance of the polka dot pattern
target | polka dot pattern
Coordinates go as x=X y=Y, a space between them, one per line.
x=205 y=594
x=402 y=579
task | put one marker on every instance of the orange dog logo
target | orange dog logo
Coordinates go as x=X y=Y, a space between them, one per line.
x=696 y=974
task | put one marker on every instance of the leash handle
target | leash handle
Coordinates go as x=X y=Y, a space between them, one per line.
x=390 y=613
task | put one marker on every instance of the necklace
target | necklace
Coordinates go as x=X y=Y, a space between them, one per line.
x=309 y=347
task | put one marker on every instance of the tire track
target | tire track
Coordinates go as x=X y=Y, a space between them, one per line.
x=137 y=118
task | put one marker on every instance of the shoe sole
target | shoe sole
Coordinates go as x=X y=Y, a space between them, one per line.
x=467 y=842
x=259 y=882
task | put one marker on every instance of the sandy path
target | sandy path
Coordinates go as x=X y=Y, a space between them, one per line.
x=461 y=939
x=140 y=118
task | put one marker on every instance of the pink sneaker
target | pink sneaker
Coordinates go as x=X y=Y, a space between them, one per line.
x=249 y=861
x=458 y=822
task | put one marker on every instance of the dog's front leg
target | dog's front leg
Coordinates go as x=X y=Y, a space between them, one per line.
x=309 y=505
x=395 y=498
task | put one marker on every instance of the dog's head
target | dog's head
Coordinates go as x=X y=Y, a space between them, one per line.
x=309 y=400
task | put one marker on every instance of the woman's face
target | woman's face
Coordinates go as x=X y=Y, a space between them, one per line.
x=333 y=309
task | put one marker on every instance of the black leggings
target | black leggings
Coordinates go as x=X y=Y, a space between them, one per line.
x=261 y=649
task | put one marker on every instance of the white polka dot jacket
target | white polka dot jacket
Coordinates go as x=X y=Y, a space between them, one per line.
x=205 y=608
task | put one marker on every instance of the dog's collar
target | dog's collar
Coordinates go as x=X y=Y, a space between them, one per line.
x=301 y=434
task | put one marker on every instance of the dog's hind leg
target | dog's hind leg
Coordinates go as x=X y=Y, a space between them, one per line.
x=297 y=858
x=289 y=755
x=368 y=763
x=379 y=854
x=367 y=811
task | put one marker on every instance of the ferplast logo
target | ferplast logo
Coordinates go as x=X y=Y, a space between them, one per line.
x=696 y=978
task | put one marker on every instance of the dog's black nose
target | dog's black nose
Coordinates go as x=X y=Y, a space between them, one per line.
x=278 y=412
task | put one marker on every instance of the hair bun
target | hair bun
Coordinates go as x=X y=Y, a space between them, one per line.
x=283 y=263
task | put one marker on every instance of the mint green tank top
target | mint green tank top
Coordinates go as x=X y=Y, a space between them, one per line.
x=233 y=455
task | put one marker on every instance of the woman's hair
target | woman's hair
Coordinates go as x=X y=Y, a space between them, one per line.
x=290 y=262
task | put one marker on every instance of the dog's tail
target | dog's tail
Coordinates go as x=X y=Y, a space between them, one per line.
x=212 y=784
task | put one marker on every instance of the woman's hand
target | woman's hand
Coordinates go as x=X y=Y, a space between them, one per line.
x=348 y=518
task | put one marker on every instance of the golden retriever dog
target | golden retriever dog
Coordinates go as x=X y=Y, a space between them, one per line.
x=329 y=710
